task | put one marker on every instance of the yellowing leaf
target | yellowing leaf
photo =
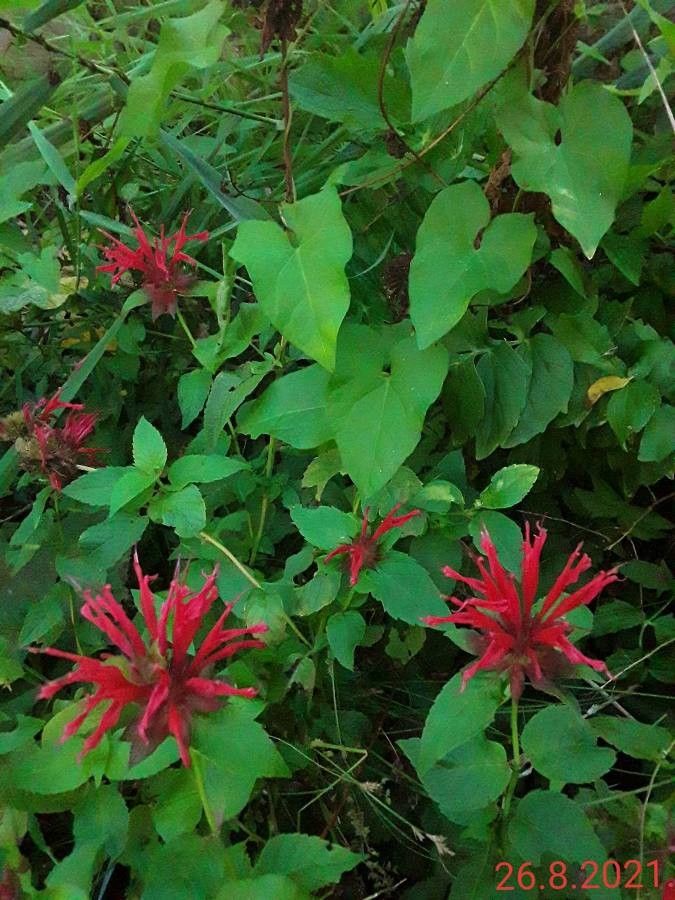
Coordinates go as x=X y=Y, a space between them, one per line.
x=603 y=386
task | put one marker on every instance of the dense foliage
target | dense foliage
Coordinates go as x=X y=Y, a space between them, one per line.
x=284 y=285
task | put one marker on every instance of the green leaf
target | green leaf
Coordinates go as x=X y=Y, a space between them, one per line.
x=505 y=377
x=183 y=510
x=48 y=11
x=508 y=486
x=43 y=616
x=101 y=164
x=561 y=745
x=95 y=488
x=447 y=270
x=383 y=411
x=404 y=588
x=233 y=752
x=345 y=631
x=187 y=866
x=129 y=486
x=298 y=275
x=227 y=393
x=344 y=89
x=198 y=469
x=190 y=42
x=309 y=860
x=53 y=159
x=193 y=389
x=292 y=409
x=178 y=807
x=626 y=252
x=240 y=208
x=470 y=711
x=617 y=615
x=280 y=887
x=468 y=778
x=463 y=399
x=506 y=536
x=106 y=543
x=580 y=161
x=549 y=823
x=460 y=45
x=550 y=387
x=629 y=410
x=21 y=107
x=631 y=737
x=149 y=449
x=16 y=182
x=657 y=438
x=324 y=526
x=318 y=592
x=320 y=471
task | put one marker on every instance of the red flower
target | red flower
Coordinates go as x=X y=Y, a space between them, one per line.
x=513 y=638
x=162 y=276
x=44 y=447
x=160 y=676
x=363 y=552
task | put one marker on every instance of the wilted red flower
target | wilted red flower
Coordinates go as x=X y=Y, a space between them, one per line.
x=160 y=675
x=513 y=638
x=363 y=552
x=44 y=447
x=162 y=276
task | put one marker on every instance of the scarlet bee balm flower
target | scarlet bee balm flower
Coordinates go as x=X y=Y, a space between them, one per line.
x=159 y=264
x=363 y=552
x=44 y=447
x=158 y=674
x=512 y=637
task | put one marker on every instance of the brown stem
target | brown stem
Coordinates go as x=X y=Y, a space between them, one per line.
x=288 y=118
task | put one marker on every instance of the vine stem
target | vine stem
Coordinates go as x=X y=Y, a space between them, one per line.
x=515 y=762
x=252 y=580
x=232 y=558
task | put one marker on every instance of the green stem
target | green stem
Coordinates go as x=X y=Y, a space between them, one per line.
x=252 y=580
x=515 y=763
x=183 y=325
x=232 y=558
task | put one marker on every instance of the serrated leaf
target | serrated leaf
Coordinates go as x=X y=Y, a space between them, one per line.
x=447 y=270
x=324 y=526
x=634 y=738
x=460 y=45
x=233 y=753
x=548 y=823
x=193 y=389
x=470 y=710
x=129 y=486
x=148 y=447
x=298 y=275
x=203 y=469
x=404 y=588
x=345 y=631
x=576 y=759
x=508 y=486
x=95 y=488
x=311 y=861
x=183 y=510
